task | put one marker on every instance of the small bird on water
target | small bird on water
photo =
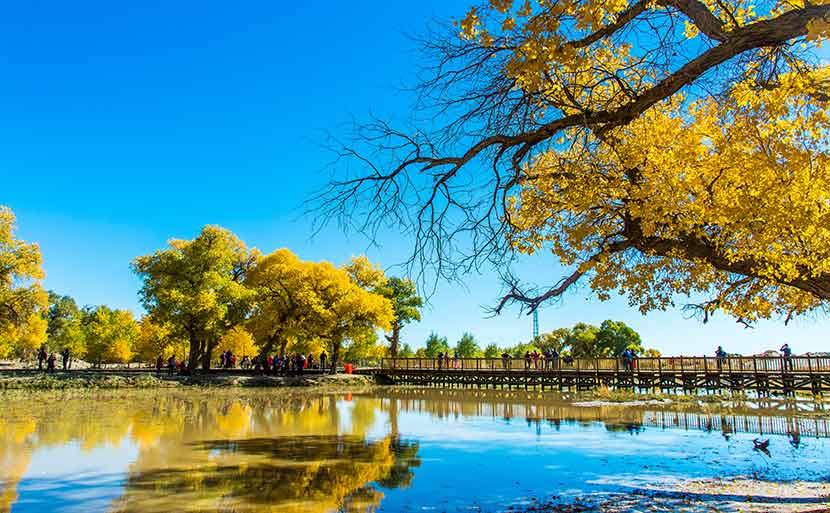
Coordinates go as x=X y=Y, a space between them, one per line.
x=762 y=445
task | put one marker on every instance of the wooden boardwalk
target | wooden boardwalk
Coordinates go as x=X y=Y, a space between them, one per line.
x=764 y=375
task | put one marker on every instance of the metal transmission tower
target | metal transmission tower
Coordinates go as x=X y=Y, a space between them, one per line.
x=535 y=324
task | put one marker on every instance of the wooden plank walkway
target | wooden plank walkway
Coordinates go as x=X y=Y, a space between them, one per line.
x=764 y=375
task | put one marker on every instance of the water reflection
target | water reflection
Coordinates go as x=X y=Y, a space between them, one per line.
x=262 y=451
x=257 y=453
x=303 y=473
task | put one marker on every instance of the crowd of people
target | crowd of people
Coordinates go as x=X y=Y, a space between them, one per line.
x=264 y=363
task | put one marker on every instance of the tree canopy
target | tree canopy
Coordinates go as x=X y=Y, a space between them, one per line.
x=660 y=148
x=197 y=288
x=467 y=347
x=407 y=305
x=65 y=325
x=283 y=299
x=582 y=340
x=436 y=345
x=23 y=301
x=109 y=334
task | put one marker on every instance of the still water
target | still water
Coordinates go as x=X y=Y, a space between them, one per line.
x=396 y=450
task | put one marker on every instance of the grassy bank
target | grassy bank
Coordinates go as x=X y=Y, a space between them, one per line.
x=127 y=380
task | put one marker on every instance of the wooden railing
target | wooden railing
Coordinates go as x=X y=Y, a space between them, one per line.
x=677 y=364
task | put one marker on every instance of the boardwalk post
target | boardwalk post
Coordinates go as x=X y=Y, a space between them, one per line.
x=660 y=372
x=810 y=370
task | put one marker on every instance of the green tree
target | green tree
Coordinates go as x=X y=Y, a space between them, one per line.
x=197 y=288
x=467 y=347
x=110 y=335
x=23 y=302
x=407 y=304
x=64 y=327
x=614 y=337
x=520 y=349
x=406 y=351
x=582 y=340
x=492 y=351
x=554 y=340
x=435 y=345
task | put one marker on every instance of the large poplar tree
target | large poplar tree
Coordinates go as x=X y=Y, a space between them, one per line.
x=196 y=288
x=23 y=302
x=659 y=148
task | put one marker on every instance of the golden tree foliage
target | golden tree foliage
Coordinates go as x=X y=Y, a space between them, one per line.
x=742 y=183
x=155 y=339
x=343 y=310
x=239 y=342
x=197 y=288
x=110 y=335
x=661 y=148
x=281 y=290
x=310 y=306
x=22 y=299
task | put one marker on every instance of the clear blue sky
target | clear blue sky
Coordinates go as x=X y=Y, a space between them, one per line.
x=124 y=125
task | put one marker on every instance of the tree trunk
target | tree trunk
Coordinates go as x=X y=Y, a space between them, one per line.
x=195 y=352
x=208 y=354
x=335 y=356
x=394 y=341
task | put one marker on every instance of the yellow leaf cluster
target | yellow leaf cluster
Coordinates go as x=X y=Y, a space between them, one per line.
x=22 y=298
x=749 y=174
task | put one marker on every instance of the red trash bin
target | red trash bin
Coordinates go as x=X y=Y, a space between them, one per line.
x=348 y=368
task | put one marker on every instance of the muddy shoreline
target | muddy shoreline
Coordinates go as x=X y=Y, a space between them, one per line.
x=744 y=495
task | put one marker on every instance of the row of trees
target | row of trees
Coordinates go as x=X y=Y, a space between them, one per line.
x=205 y=289
x=582 y=340
x=203 y=294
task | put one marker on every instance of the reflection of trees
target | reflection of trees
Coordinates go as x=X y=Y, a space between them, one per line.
x=219 y=452
x=302 y=473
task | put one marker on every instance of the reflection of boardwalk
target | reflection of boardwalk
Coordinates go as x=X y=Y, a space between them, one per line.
x=529 y=406
x=761 y=374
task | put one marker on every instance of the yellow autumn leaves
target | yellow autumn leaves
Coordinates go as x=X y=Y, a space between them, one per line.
x=748 y=173
x=22 y=299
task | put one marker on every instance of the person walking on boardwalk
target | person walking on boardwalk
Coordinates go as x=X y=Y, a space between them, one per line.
x=527 y=360
x=787 y=353
x=627 y=359
x=554 y=359
x=171 y=364
x=159 y=364
x=41 y=358
x=50 y=363
x=505 y=360
x=720 y=355
x=323 y=358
